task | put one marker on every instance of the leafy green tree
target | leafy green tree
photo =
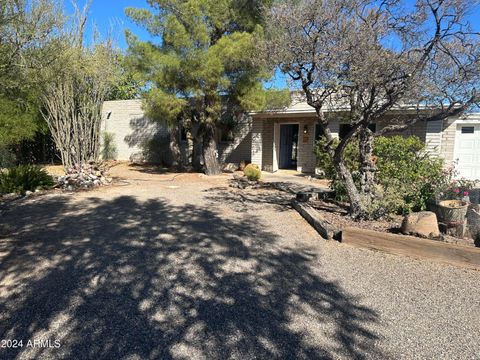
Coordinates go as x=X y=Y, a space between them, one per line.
x=27 y=46
x=200 y=71
x=129 y=84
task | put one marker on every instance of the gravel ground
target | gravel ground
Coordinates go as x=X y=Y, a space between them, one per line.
x=182 y=267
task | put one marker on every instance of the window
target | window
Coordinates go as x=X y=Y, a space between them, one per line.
x=345 y=129
x=468 y=130
x=318 y=132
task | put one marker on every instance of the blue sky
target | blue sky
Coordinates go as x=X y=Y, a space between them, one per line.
x=108 y=16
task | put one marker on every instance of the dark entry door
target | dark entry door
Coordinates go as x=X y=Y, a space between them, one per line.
x=288 y=146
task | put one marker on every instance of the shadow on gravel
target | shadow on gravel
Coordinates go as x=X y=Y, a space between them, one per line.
x=242 y=200
x=147 y=280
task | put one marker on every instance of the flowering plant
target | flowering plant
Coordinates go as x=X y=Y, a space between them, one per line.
x=450 y=187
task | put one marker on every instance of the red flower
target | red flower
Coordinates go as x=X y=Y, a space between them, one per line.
x=456 y=191
x=465 y=193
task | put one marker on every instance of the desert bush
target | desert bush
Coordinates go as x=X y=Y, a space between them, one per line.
x=109 y=150
x=22 y=178
x=405 y=167
x=324 y=163
x=407 y=176
x=252 y=172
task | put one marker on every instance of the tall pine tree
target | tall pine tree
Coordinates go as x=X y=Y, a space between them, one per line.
x=199 y=68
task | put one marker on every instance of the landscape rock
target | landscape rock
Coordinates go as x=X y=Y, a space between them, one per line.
x=83 y=176
x=230 y=167
x=473 y=221
x=423 y=224
x=242 y=182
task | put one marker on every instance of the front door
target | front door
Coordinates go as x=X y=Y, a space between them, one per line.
x=288 y=146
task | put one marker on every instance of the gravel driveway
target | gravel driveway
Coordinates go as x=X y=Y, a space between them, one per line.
x=183 y=267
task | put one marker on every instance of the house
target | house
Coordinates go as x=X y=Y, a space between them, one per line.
x=285 y=139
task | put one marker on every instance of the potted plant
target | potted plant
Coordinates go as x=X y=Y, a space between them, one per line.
x=454 y=206
x=453 y=211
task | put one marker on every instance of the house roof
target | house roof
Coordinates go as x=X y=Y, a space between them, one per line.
x=299 y=107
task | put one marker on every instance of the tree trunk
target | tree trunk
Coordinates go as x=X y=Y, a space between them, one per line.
x=195 y=146
x=210 y=153
x=177 y=160
x=357 y=205
x=367 y=164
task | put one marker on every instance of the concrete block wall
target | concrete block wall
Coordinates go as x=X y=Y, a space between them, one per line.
x=306 y=161
x=418 y=129
x=131 y=129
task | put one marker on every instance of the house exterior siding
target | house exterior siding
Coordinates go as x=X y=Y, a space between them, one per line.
x=264 y=142
x=448 y=139
x=267 y=156
x=257 y=143
x=439 y=139
x=136 y=138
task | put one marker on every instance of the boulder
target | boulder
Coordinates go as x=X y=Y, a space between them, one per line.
x=423 y=224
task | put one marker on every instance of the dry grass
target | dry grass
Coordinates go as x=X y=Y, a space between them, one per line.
x=54 y=170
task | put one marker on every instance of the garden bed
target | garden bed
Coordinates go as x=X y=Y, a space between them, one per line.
x=336 y=214
x=331 y=220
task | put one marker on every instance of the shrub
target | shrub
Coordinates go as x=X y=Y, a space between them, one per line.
x=406 y=174
x=109 y=150
x=405 y=167
x=252 y=172
x=7 y=157
x=324 y=163
x=22 y=178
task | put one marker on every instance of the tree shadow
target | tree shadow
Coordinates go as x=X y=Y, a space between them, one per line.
x=129 y=279
x=152 y=139
x=242 y=200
